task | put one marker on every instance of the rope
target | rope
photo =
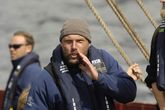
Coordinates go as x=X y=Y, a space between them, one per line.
x=110 y=35
x=108 y=32
x=141 y=4
x=129 y=28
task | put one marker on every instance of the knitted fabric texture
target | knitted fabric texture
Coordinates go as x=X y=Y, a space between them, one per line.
x=75 y=27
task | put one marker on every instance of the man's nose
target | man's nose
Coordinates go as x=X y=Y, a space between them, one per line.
x=11 y=49
x=74 y=45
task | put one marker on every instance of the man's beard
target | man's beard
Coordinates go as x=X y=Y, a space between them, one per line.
x=72 y=62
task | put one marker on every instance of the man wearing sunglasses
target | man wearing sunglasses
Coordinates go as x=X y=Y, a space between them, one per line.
x=26 y=67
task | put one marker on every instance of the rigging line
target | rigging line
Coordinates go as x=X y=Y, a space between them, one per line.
x=146 y=12
x=108 y=32
x=129 y=29
x=110 y=35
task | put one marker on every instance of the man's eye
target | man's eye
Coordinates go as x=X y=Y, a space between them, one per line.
x=68 y=41
x=80 y=41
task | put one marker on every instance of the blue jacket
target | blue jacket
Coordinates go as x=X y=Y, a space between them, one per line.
x=30 y=69
x=115 y=84
x=156 y=67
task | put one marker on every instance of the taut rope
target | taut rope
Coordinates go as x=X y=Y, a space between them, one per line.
x=141 y=4
x=110 y=35
x=108 y=32
x=129 y=28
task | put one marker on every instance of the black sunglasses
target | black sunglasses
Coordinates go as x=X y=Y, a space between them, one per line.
x=15 y=46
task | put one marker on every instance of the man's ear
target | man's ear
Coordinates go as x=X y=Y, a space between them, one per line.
x=28 y=48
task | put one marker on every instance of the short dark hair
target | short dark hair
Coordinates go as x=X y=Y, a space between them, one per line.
x=28 y=36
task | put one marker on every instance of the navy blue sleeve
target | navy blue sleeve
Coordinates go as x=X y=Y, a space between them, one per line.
x=43 y=94
x=116 y=83
x=27 y=76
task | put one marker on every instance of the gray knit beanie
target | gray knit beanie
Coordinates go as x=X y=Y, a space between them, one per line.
x=75 y=26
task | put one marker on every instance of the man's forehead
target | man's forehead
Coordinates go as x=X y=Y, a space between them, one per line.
x=73 y=37
x=162 y=0
x=18 y=38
